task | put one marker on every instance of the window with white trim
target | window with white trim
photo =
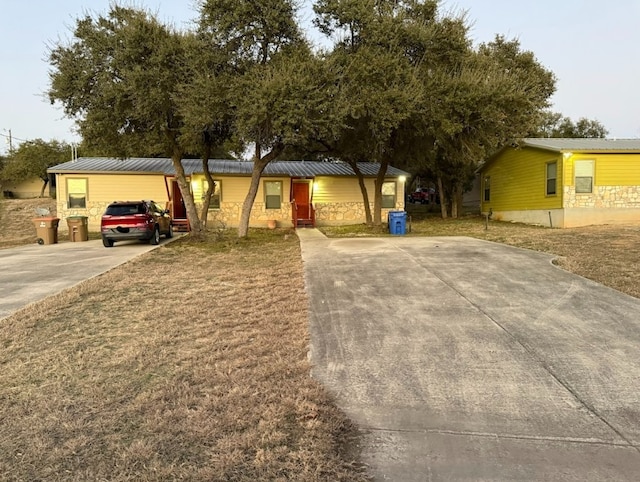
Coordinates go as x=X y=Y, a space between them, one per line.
x=552 y=178
x=389 y=194
x=273 y=194
x=583 y=174
x=76 y=193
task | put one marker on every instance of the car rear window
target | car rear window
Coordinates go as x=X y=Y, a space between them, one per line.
x=125 y=209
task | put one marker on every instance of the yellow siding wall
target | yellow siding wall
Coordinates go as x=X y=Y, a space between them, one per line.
x=117 y=187
x=518 y=181
x=234 y=189
x=610 y=169
x=325 y=189
x=103 y=189
x=26 y=189
x=341 y=189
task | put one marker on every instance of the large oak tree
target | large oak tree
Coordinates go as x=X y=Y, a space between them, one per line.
x=118 y=78
x=275 y=95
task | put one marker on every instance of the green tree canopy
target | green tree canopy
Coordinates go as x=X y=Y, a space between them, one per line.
x=32 y=159
x=554 y=124
x=274 y=97
x=119 y=78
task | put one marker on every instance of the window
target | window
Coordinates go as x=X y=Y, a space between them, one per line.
x=552 y=177
x=216 y=197
x=389 y=194
x=583 y=176
x=76 y=193
x=487 y=188
x=273 y=194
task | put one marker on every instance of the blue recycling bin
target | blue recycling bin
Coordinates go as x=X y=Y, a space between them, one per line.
x=397 y=222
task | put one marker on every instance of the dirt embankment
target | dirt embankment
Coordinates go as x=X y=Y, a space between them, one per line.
x=16 y=219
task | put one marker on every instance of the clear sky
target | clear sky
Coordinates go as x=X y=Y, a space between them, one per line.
x=593 y=47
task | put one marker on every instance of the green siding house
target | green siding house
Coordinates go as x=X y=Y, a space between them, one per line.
x=564 y=182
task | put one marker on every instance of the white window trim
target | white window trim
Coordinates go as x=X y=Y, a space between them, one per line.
x=265 y=195
x=86 y=191
x=395 y=194
x=583 y=170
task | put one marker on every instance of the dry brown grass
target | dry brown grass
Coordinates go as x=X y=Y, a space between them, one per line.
x=607 y=254
x=187 y=363
x=16 y=220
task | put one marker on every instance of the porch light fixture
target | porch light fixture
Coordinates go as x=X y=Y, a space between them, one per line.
x=402 y=178
x=567 y=155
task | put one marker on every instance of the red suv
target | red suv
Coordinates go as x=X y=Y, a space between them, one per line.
x=422 y=195
x=143 y=220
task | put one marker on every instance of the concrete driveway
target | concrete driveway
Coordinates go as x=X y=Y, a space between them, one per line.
x=462 y=359
x=33 y=272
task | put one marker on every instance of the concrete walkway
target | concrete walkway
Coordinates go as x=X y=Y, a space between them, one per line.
x=462 y=359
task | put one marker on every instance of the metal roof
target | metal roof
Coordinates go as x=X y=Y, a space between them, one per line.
x=591 y=145
x=219 y=167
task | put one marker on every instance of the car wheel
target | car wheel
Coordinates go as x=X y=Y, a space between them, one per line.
x=170 y=232
x=155 y=239
x=108 y=243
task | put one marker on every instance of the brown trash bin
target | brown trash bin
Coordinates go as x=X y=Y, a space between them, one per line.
x=78 y=228
x=46 y=229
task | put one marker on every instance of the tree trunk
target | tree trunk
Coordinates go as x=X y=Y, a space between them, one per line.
x=457 y=201
x=363 y=191
x=258 y=166
x=443 y=198
x=377 y=203
x=454 y=205
x=211 y=185
x=45 y=183
x=197 y=230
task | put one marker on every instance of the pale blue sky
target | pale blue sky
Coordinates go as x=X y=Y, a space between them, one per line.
x=591 y=46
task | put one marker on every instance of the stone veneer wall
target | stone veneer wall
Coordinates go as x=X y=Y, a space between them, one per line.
x=94 y=213
x=345 y=213
x=229 y=214
x=603 y=197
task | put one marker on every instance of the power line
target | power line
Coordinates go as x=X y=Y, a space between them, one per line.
x=9 y=136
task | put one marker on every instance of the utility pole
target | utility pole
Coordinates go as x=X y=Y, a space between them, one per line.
x=9 y=141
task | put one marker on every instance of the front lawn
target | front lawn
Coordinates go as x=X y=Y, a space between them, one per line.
x=188 y=363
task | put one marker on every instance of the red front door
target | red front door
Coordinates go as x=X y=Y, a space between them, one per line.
x=179 y=210
x=301 y=197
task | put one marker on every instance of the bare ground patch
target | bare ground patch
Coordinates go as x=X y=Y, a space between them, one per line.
x=187 y=363
x=16 y=220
